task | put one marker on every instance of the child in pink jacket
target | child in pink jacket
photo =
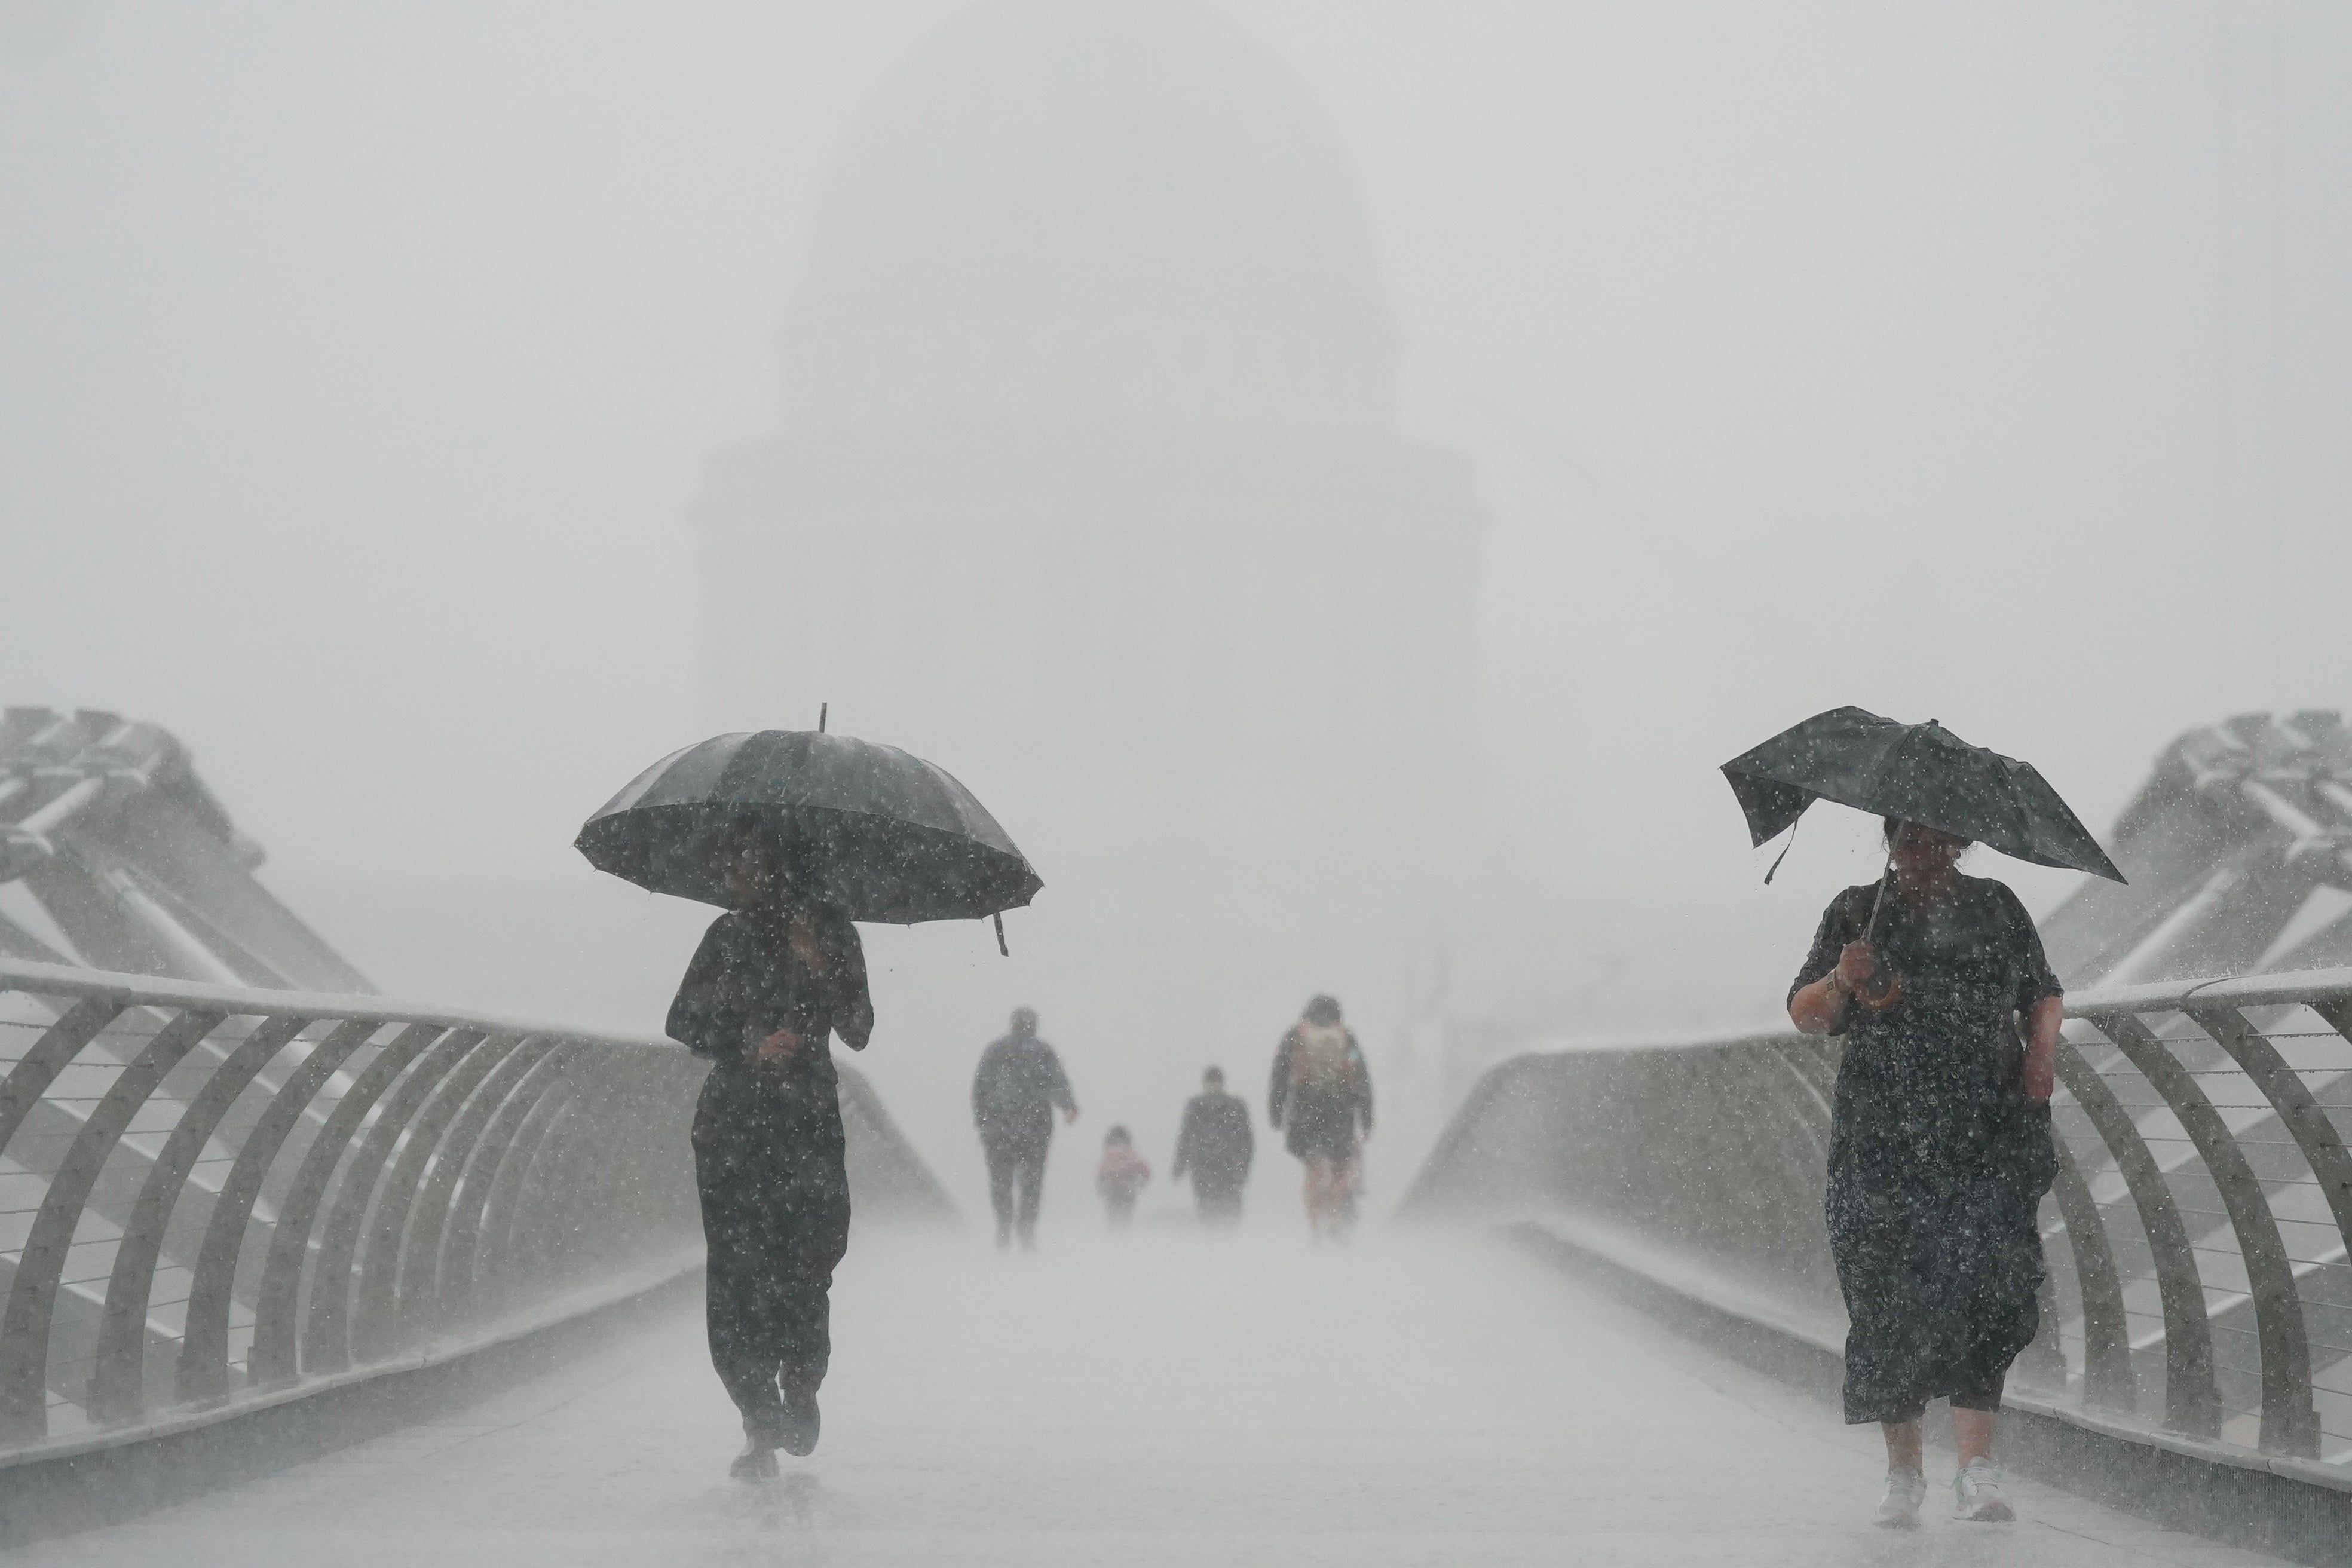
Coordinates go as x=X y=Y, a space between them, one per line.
x=1120 y=1176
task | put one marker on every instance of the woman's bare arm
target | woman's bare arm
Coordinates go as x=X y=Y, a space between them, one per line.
x=2041 y=1026
x=1817 y=1008
x=1820 y=1008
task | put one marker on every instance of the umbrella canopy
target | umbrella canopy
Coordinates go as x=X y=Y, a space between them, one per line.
x=1920 y=772
x=888 y=836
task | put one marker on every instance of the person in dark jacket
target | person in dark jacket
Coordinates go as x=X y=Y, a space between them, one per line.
x=772 y=979
x=1215 y=1145
x=1013 y=1094
x=1939 y=1149
x=1321 y=1087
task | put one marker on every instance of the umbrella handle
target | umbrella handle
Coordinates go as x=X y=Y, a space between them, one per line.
x=1870 y=935
x=1000 y=935
x=1870 y=932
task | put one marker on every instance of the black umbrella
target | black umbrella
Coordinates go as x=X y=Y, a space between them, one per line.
x=886 y=835
x=1919 y=773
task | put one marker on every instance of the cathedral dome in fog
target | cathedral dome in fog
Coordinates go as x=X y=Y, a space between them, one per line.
x=1089 y=450
x=1089 y=485
x=1090 y=212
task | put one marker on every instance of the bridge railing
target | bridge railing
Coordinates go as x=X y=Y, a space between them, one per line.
x=212 y=1196
x=2200 y=1291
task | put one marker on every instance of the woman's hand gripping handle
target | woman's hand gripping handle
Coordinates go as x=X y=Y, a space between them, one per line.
x=1820 y=1008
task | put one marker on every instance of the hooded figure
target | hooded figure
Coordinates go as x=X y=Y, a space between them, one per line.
x=772 y=980
x=1322 y=1089
x=1013 y=1095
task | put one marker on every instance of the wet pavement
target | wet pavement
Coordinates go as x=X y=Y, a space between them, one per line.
x=1161 y=1398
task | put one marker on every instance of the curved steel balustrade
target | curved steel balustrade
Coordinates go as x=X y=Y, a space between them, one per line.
x=213 y=1195
x=2197 y=1233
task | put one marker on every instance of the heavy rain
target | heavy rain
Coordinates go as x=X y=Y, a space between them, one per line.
x=1175 y=782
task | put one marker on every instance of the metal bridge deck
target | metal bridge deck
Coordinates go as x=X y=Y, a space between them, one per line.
x=1157 y=1398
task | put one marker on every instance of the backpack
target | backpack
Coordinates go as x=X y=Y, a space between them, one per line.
x=1320 y=1063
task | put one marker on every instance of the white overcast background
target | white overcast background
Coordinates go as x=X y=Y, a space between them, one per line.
x=1989 y=363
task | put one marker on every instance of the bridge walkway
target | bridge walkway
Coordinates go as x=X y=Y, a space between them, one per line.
x=1161 y=1398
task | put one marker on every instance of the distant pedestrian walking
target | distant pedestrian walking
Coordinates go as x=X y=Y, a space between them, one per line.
x=1120 y=1177
x=1322 y=1092
x=1214 y=1147
x=1939 y=1149
x=771 y=981
x=1013 y=1095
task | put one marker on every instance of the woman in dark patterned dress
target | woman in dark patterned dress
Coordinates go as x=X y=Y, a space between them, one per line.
x=1939 y=1149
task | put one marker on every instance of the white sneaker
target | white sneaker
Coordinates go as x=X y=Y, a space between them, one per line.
x=1899 y=1509
x=1976 y=1494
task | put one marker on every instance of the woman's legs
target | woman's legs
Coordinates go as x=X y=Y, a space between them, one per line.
x=1976 y=1488
x=1903 y=1444
x=1972 y=1431
x=1907 y=1485
x=809 y=1243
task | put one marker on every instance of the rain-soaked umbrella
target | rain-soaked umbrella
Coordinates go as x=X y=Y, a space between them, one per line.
x=885 y=835
x=1919 y=773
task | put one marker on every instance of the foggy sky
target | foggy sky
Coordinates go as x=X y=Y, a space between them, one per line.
x=357 y=365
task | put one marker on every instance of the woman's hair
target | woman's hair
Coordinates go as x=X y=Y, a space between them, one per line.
x=739 y=836
x=1117 y=1135
x=1323 y=1010
x=787 y=859
x=1888 y=826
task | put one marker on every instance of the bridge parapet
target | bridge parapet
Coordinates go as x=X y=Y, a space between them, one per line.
x=2200 y=1296
x=214 y=1198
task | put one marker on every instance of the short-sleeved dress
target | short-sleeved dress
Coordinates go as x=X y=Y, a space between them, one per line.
x=1937 y=1162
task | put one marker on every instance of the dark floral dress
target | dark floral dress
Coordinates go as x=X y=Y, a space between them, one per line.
x=1937 y=1162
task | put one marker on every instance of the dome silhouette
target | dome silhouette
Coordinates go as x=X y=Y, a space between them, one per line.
x=1068 y=213
x=1089 y=448
x=1090 y=487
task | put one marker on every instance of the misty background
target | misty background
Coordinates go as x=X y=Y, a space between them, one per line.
x=359 y=367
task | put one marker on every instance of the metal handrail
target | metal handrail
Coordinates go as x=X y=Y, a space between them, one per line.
x=1687 y=1146
x=407 y=1174
x=144 y=990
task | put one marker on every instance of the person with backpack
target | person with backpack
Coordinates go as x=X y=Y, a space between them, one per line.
x=1215 y=1145
x=1013 y=1095
x=1322 y=1094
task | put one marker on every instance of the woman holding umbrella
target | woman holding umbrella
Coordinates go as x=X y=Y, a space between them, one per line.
x=1939 y=1127
x=772 y=979
x=1939 y=1149
x=797 y=834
